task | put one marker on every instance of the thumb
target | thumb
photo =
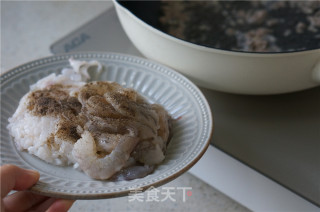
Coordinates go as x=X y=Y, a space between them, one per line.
x=15 y=178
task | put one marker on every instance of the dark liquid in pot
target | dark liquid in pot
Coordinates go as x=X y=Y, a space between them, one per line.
x=250 y=26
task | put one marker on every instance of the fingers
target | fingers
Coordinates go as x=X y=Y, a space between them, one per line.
x=15 y=178
x=61 y=205
x=53 y=205
x=25 y=200
x=43 y=206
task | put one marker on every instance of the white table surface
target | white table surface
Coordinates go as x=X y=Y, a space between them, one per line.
x=27 y=31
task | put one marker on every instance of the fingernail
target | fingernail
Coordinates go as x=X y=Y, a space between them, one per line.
x=32 y=172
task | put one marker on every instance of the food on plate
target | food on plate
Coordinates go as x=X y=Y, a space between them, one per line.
x=254 y=26
x=99 y=127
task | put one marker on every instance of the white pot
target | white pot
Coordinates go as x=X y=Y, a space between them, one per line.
x=235 y=72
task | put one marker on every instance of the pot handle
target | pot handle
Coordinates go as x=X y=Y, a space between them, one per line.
x=316 y=72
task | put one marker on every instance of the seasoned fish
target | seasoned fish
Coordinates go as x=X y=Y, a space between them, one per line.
x=101 y=128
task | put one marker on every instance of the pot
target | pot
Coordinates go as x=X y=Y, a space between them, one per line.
x=223 y=70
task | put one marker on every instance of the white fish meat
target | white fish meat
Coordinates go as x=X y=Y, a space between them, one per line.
x=101 y=128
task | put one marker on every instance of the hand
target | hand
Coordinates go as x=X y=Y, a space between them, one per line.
x=15 y=178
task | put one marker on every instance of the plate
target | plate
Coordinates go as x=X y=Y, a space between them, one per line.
x=192 y=127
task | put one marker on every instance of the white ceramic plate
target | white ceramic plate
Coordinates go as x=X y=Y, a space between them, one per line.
x=182 y=99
